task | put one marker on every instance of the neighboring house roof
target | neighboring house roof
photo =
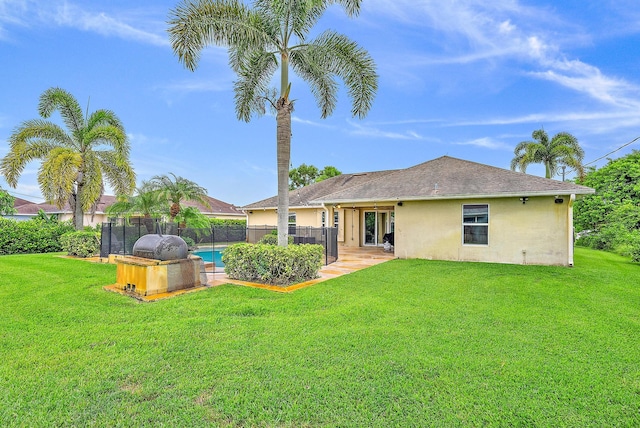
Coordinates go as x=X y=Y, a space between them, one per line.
x=19 y=201
x=307 y=196
x=441 y=178
x=33 y=208
x=217 y=207
x=451 y=178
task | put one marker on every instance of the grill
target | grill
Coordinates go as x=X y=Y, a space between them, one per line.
x=160 y=247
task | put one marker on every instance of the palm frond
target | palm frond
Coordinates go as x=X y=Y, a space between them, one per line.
x=324 y=88
x=343 y=57
x=58 y=99
x=92 y=186
x=117 y=171
x=57 y=174
x=197 y=23
x=253 y=82
x=108 y=135
x=20 y=154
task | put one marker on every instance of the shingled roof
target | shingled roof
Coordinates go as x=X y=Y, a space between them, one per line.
x=307 y=196
x=451 y=178
x=217 y=207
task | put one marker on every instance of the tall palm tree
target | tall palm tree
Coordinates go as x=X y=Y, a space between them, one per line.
x=177 y=190
x=75 y=163
x=562 y=149
x=275 y=33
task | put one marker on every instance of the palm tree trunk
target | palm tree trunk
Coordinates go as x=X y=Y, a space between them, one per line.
x=76 y=206
x=283 y=119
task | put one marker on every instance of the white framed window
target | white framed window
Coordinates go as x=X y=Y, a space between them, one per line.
x=324 y=218
x=292 y=223
x=336 y=218
x=475 y=224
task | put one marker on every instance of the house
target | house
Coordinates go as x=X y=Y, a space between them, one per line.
x=443 y=209
x=30 y=210
x=219 y=209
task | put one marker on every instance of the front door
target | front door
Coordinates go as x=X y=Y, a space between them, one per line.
x=376 y=225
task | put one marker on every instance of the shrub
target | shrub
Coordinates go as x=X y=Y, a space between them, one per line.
x=227 y=222
x=272 y=239
x=32 y=236
x=81 y=244
x=270 y=264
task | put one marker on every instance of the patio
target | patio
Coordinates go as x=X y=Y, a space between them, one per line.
x=350 y=259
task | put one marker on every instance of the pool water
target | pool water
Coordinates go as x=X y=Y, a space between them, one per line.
x=210 y=256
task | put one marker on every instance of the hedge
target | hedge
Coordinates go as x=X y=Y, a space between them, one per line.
x=270 y=264
x=32 y=236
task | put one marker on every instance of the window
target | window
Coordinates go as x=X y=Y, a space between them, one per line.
x=292 y=223
x=475 y=224
x=324 y=219
x=336 y=218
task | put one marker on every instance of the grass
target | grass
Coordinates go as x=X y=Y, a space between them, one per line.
x=405 y=343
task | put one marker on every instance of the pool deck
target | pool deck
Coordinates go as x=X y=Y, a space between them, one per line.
x=349 y=260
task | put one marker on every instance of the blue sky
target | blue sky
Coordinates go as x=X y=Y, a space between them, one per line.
x=464 y=78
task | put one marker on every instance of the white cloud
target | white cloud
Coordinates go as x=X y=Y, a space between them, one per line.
x=486 y=143
x=370 y=131
x=62 y=13
x=473 y=31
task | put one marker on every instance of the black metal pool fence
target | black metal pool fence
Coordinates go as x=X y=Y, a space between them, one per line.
x=118 y=237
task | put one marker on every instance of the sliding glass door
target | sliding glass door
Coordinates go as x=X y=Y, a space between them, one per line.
x=376 y=225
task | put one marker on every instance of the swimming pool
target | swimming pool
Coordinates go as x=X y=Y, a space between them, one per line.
x=209 y=256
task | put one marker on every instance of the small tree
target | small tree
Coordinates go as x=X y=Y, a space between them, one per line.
x=177 y=190
x=6 y=203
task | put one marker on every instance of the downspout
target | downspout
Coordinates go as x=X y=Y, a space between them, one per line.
x=570 y=229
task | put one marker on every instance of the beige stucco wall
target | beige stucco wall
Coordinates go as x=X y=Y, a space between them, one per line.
x=304 y=217
x=538 y=232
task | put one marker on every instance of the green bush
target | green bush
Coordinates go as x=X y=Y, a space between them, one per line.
x=272 y=239
x=270 y=264
x=31 y=236
x=227 y=222
x=81 y=244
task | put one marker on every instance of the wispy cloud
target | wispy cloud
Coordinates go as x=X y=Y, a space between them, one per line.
x=198 y=85
x=472 y=31
x=371 y=131
x=298 y=119
x=486 y=143
x=62 y=13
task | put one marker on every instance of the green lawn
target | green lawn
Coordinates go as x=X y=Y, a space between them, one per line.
x=405 y=343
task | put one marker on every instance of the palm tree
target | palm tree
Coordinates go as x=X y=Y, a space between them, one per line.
x=271 y=34
x=177 y=190
x=76 y=163
x=562 y=149
x=145 y=201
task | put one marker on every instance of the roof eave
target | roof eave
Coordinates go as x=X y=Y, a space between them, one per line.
x=459 y=196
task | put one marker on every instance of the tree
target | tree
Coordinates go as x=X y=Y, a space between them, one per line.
x=275 y=33
x=75 y=163
x=616 y=184
x=328 y=172
x=144 y=202
x=302 y=176
x=562 y=149
x=6 y=203
x=177 y=190
x=307 y=174
x=610 y=218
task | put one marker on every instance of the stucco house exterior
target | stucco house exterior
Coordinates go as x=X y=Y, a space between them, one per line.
x=443 y=209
